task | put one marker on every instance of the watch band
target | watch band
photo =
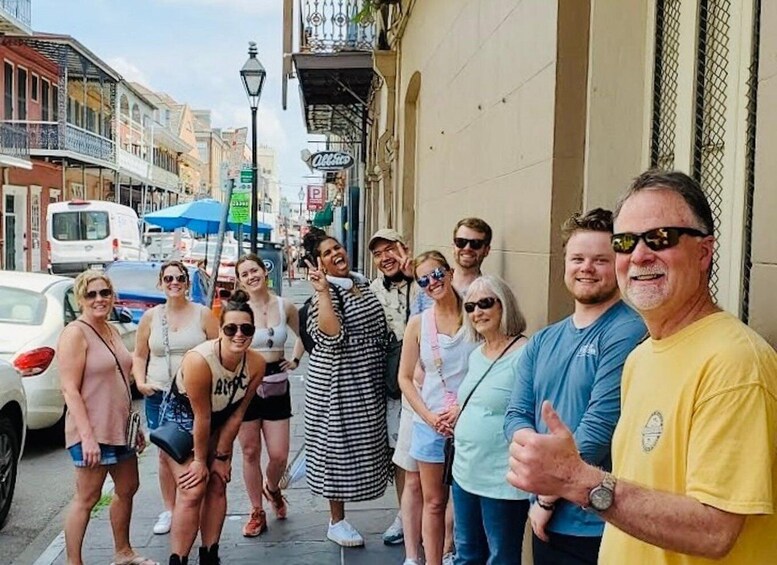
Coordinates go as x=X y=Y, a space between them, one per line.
x=296 y=360
x=222 y=456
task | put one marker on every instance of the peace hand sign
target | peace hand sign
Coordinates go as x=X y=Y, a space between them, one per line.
x=405 y=262
x=317 y=276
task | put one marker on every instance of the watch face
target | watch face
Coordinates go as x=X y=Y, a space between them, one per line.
x=601 y=498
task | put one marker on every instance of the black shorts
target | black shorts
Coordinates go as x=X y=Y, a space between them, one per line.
x=272 y=408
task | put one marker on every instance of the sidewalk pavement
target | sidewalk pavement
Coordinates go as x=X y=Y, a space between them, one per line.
x=300 y=539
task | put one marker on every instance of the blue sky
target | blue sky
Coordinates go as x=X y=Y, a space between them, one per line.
x=193 y=50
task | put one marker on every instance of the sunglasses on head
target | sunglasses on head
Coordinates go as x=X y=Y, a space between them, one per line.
x=656 y=239
x=484 y=304
x=438 y=274
x=230 y=330
x=461 y=243
x=103 y=292
x=170 y=278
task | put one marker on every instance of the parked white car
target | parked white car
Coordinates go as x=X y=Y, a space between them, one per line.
x=13 y=417
x=34 y=309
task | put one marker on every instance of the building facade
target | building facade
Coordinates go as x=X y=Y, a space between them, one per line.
x=523 y=112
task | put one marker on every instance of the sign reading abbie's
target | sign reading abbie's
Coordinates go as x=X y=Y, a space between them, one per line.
x=330 y=161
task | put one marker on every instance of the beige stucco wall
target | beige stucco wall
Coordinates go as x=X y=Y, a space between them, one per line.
x=500 y=132
x=763 y=306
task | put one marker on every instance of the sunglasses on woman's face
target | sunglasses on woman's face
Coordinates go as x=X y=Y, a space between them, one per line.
x=170 y=278
x=484 y=304
x=438 y=274
x=103 y=292
x=230 y=330
x=462 y=242
x=656 y=239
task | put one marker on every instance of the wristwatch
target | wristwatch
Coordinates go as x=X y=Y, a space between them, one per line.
x=296 y=361
x=222 y=456
x=601 y=497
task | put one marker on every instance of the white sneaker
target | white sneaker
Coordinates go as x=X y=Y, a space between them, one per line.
x=344 y=534
x=447 y=559
x=394 y=535
x=409 y=561
x=163 y=523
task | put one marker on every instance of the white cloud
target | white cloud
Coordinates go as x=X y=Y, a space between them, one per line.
x=129 y=70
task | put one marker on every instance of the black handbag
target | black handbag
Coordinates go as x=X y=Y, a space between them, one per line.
x=449 y=449
x=391 y=375
x=173 y=440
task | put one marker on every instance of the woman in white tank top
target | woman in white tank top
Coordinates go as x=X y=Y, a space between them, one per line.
x=437 y=339
x=269 y=412
x=188 y=325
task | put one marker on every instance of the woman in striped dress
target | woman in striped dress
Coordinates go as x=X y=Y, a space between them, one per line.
x=345 y=401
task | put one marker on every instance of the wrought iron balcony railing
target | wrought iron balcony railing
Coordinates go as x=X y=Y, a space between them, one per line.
x=13 y=141
x=46 y=136
x=164 y=179
x=331 y=26
x=19 y=9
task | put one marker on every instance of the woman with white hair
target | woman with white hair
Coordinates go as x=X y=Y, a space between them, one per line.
x=489 y=513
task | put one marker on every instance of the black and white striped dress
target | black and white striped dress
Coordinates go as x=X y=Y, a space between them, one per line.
x=345 y=401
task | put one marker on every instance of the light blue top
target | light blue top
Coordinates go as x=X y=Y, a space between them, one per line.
x=480 y=465
x=579 y=371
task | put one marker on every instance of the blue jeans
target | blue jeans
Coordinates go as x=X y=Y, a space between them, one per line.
x=153 y=405
x=487 y=530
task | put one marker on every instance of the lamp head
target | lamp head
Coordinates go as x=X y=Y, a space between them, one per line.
x=253 y=76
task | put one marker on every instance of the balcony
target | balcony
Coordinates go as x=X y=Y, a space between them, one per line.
x=334 y=64
x=164 y=179
x=133 y=165
x=14 y=147
x=72 y=142
x=16 y=17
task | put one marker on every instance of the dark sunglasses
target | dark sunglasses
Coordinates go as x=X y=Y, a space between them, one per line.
x=230 y=330
x=170 y=278
x=656 y=239
x=461 y=243
x=438 y=274
x=104 y=293
x=484 y=304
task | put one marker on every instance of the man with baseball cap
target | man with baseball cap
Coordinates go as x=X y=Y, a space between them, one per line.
x=397 y=294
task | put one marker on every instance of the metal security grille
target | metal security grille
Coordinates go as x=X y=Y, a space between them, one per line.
x=711 y=100
x=752 y=107
x=665 y=70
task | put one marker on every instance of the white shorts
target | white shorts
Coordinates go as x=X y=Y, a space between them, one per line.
x=402 y=457
x=393 y=415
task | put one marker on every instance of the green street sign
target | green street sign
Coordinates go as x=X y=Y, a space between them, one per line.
x=239 y=207
x=246 y=176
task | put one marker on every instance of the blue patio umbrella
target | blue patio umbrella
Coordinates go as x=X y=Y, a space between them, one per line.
x=199 y=216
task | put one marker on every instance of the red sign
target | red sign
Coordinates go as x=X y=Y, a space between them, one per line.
x=316 y=197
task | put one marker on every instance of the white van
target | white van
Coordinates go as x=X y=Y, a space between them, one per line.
x=88 y=234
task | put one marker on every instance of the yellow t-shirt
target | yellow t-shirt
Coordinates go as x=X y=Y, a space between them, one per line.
x=699 y=417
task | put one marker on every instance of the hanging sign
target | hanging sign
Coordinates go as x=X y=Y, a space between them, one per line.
x=330 y=161
x=315 y=197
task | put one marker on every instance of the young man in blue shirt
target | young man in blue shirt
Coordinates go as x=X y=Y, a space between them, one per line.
x=576 y=364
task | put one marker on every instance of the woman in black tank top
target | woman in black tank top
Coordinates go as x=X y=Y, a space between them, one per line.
x=238 y=368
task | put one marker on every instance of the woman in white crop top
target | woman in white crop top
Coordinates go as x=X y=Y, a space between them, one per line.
x=188 y=325
x=437 y=339
x=269 y=412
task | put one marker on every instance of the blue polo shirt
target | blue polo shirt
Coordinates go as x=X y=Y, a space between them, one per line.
x=579 y=371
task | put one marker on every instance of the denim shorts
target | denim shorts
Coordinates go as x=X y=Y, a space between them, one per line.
x=109 y=454
x=426 y=445
x=153 y=405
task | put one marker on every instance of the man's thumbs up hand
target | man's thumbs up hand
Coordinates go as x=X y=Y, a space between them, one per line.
x=555 y=425
x=546 y=464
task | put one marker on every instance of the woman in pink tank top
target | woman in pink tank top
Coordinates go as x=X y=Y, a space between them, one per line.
x=94 y=368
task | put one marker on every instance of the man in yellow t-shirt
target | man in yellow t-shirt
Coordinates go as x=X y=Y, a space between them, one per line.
x=695 y=452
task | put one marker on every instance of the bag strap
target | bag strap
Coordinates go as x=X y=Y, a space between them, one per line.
x=434 y=340
x=118 y=365
x=166 y=339
x=491 y=366
x=408 y=284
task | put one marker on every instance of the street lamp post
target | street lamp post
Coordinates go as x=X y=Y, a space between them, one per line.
x=301 y=196
x=253 y=75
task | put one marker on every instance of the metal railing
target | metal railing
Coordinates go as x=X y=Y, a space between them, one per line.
x=331 y=26
x=19 y=9
x=46 y=136
x=164 y=178
x=13 y=141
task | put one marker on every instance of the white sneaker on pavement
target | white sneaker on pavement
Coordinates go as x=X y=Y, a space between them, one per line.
x=344 y=534
x=447 y=559
x=394 y=535
x=163 y=523
x=409 y=561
